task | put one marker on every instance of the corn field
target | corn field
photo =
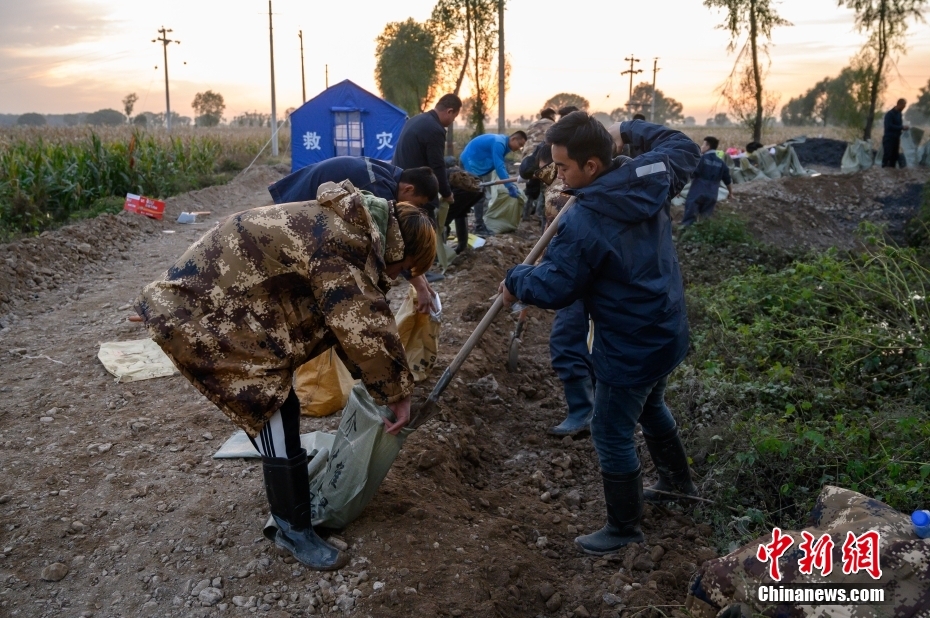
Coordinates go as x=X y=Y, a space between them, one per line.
x=49 y=175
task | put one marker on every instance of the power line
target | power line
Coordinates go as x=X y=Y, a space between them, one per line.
x=631 y=60
x=164 y=42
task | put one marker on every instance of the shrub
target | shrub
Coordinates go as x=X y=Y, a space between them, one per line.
x=724 y=229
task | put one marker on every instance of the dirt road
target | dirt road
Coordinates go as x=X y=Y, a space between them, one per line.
x=111 y=489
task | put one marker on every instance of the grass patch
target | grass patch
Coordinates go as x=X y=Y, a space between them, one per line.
x=813 y=374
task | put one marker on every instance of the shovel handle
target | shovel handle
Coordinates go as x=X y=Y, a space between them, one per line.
x=505 y=181
x=498 y=304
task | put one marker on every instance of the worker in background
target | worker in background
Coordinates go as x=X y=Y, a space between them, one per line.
x=614 y=250
x=705 y=183
x=536 y=135
x=891 y=140
x=268 y=289
x=483 y=157
x=416 y=186
x=638 y=117
x=422 y=142
x=467 y=191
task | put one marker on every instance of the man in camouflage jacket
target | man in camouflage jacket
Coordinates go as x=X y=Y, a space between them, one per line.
x=268 y=289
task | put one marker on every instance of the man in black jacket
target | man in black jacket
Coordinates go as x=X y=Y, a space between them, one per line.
x=422 y=143
x=891 y=141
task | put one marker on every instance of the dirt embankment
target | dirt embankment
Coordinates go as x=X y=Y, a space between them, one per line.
x=824 y=211
x=116 y=481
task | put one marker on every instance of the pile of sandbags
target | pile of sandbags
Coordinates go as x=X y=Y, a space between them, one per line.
x=860 y=156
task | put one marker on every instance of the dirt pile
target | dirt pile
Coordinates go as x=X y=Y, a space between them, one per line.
x=824 y=211
x=115 y=482
x=820 y=151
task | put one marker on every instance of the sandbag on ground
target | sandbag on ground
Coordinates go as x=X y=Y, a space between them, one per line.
x=729 y=584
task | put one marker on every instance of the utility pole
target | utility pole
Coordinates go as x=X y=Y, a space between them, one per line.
x=274 y=113
x=303 y=80
x=501 y=69
x=164 y=42
x=629 y=101
x=327 y=76
x=655 y=69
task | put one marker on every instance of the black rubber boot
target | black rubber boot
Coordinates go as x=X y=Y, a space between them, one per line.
x=579 y=395
x=623 y=494
x=671 y=461
x=287 y=484
x=461 y=232
x=480 y=228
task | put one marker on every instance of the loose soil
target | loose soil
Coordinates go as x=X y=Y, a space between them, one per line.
x=476 y=518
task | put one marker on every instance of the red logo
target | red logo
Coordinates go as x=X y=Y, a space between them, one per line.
x=860 y=553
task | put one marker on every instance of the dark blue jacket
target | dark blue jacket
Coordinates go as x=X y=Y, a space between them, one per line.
x=422 y=143
x=894 y=124
x=372 y=175
x=614 y=249
x=706 y=178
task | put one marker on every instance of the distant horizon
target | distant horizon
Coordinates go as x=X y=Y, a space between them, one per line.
x=80 y=56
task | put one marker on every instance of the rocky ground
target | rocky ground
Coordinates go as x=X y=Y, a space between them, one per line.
x=112 y=505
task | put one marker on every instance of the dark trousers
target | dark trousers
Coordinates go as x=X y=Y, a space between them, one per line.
x=891 y=147
x=568 y=343
x=617 y=410
x=698 y=207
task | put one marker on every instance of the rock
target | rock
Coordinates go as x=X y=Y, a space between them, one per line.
x=210 y=596
x=612 y=599
x=581 y=612
x=202 y=585
x=429 y=459
x=346 y=603
x=54 y=572
x=546 y=590
x=5 y=498
x=704 y=554
x=46 y=419
x=554 y=602
x=78 y=526
x=217 y=582
x=572 y=498
x=542 y=542
x=484 y=387
x=643 y=563
x=338 y=543
x=51 y=412
x=103 y=448
x=545 y=496
x=84 y=248
x=656 y=554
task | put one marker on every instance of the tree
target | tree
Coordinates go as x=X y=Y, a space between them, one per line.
x=918 y=112
x=129 y=101
x=31 y=120
x=406 y=64
x=668 y=110
x=209 y=106
x=885 y=21
x=720 y=120
x=106 y=117
x=757 y=18
x=252 y=119
x=841 y=101
x=690 y=121
x=564 y=99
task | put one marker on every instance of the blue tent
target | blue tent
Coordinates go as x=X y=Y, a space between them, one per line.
x=344 y=119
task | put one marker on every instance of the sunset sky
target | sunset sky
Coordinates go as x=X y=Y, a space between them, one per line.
x=66 y=56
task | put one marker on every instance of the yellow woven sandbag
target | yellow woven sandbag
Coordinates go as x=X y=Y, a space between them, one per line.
x=322 y=384
x=419 y=332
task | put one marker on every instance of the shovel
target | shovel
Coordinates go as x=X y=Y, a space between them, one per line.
x=516 y=337
x=429 y=408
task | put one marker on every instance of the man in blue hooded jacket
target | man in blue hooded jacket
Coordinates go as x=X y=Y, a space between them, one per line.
x=614 y=250
x=705 y=183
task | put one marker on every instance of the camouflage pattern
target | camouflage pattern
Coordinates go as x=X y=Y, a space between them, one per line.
x=727 y=586
x=270 y=288
x=462 y=180
x=536 y=134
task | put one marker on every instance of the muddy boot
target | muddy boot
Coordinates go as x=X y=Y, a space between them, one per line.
x=287 y=484
x=579 y=395
x=623 y=494
x=480 y=228
x=461 y=232
x=668 y=455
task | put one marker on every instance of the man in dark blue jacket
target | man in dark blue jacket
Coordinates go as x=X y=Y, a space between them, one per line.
x=705 y=183
x=614 y=250
x=415 y=186
x=891 y=140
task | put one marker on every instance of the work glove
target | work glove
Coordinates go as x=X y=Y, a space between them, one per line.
x=512 y=190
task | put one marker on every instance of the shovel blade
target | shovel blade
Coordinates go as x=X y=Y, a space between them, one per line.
x=423 y=412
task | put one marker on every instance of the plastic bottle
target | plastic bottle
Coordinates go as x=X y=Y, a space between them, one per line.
x=921 y=521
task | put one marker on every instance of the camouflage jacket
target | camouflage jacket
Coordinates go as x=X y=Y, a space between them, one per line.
x=536 y=134
x=272 y=287
x=727 y=586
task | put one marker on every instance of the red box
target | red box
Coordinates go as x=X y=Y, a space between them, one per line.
x=144 y=206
